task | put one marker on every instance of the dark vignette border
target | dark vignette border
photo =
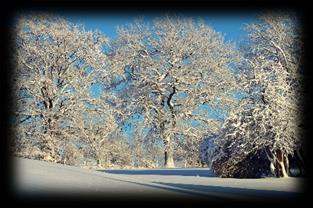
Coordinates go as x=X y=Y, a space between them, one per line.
x=130 y=7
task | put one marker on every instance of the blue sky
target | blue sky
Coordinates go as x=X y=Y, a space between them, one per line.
x=231 y=25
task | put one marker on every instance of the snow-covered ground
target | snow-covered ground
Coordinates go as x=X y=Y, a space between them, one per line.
x=38 y=177
x=203 y=182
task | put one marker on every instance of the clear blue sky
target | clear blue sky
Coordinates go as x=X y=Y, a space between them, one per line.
x=231 y=25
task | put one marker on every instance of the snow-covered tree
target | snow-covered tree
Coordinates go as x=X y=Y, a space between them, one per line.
x=56 y=64
x=267 y=121
x=173 y=68
x=208 y=150
x=96 y=126
x=241 y=141
x=145 y=147
x=187 y=151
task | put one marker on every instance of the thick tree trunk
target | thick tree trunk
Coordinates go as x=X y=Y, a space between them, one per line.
x=49 y=126
x=168 y=154
x=168 y=159
x=168 y=147
x=52 y=143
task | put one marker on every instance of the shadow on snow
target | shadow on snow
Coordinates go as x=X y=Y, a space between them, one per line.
x=247 y=192
x=203 y=172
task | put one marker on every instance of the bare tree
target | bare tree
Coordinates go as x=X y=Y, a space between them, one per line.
x=174 y=68
x=268 y=120
x=56 y=64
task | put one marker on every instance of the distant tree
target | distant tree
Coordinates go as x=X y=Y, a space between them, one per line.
x=96 y=126
x=208 y=150
x=72 y=154
x=137 y=146
x=56 y=64
x=145 y=147
x=187 y=151
x=268 y=121
x=172 y=69
x=120 y=150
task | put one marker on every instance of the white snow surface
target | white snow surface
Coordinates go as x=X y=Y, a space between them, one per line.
x=38 y=177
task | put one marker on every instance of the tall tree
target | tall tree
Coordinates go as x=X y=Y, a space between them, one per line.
x=56 y=64
x=174 y=68
x=269 y=119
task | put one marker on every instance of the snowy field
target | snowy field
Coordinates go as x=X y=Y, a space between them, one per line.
x=37 y=178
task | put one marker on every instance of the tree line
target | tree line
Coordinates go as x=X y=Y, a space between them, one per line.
x=76 y=94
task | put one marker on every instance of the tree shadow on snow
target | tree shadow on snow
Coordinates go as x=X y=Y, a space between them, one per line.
x=240 y=192
x=179 y=172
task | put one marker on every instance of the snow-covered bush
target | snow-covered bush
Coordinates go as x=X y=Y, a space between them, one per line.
x=237 y=151
x=248 y=145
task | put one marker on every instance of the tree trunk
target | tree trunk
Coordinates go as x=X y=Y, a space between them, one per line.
x=280 y=164
x=168 y=159
x=168 y=153
x=168 y=149
x=99 y=163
